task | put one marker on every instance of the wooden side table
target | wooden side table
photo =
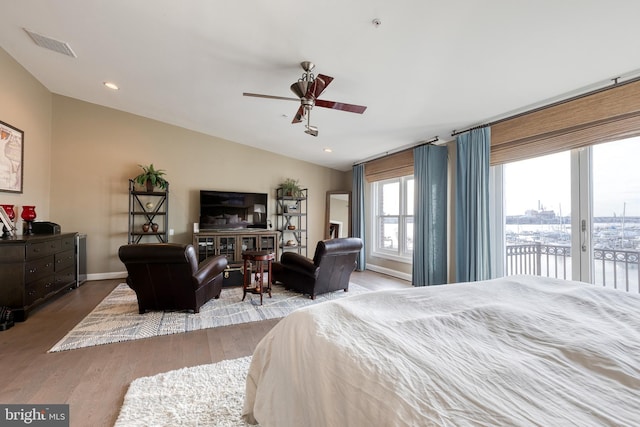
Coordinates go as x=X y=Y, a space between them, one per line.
x=261 y=259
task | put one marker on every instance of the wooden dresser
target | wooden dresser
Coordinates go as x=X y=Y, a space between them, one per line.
x=34 y=269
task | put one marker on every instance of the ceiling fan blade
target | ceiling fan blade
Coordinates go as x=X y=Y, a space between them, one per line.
x=326 y=79
x=340 y=106
x=258 y=95
x=299 y=115
x=319 y=85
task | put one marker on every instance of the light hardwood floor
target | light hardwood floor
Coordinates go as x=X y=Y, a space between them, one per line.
x=94 y=380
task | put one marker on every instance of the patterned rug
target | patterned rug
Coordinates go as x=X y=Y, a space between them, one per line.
x=116 y=318
x=205 y=395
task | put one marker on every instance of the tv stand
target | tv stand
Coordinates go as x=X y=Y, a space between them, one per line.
x=231 y=243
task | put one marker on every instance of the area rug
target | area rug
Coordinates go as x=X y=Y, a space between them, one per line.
x=206 y=395
x=116 y=318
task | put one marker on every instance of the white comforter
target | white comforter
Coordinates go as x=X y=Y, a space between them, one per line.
x=507 y=352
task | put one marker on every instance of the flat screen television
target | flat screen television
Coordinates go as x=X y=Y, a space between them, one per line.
x=228 y=210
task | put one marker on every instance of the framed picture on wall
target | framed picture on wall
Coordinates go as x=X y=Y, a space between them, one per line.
x=11 y=158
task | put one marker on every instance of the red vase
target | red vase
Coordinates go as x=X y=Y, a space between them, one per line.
x=9 y=210
x=28 y=213
x=11 y=214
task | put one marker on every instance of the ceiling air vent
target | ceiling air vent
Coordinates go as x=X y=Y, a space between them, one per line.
x=51 y=44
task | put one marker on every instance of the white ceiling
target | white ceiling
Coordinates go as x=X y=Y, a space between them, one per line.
x=431 y=67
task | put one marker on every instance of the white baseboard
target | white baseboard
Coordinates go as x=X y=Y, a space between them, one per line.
x=107 y=276
x=389 y=272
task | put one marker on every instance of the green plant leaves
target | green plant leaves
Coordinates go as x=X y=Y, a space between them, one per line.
x=155 y=176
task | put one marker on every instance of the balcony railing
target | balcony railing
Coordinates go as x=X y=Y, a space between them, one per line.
x=613 y=268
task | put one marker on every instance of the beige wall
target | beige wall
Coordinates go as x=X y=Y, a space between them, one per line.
x=97 y=149
x=79 y=157
x=26 y=105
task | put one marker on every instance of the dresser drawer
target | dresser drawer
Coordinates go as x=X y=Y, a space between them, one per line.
x=31 y=293
x=68 y=244
x=36 y=250
x=37 y=289
x=39 y=268
x=65 y=278
x=64 y=259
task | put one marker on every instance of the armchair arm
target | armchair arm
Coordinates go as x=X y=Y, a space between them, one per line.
x=299 y=263
x=210 y=267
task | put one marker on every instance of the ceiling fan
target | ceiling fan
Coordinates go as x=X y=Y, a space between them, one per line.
x=308 y=88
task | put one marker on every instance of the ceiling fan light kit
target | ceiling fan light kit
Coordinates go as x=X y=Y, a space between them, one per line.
x=308 y=88
x=311 y=130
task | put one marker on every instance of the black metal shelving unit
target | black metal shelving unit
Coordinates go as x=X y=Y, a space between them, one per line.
x=147 y=207
x=291 y=221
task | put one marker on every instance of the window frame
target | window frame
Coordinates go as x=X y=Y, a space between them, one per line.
x=402 y=253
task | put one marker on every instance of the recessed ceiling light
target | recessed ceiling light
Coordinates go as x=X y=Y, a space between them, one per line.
x=328 y=150
x=112 y=86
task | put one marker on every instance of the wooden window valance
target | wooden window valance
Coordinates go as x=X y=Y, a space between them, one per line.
x=601 y=116
x=391 y=166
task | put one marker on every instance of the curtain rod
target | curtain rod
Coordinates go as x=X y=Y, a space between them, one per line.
x=458 y=132
x=389 y=153
x=615 y=84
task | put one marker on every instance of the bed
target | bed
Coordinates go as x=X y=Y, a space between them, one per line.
x=515 y=351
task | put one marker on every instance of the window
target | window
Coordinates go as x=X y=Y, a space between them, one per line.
x=393 y=218
x=576 y=215
x=537 y=205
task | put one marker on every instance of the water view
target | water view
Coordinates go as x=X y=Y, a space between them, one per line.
x=542 y=246
x=607 y=234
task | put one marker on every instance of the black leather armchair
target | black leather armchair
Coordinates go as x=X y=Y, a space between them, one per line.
x=329 y=270
x=166 y=276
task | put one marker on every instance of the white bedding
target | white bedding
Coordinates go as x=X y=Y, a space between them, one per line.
x=514 y=351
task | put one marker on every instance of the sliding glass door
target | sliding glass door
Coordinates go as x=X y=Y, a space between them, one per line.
x=575 y=215
x=615 y=219
x=537 y=206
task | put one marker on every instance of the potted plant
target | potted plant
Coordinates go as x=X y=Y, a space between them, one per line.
x=290 y=187
x=151 y=178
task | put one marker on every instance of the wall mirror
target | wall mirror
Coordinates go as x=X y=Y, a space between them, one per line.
x=338 y=214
